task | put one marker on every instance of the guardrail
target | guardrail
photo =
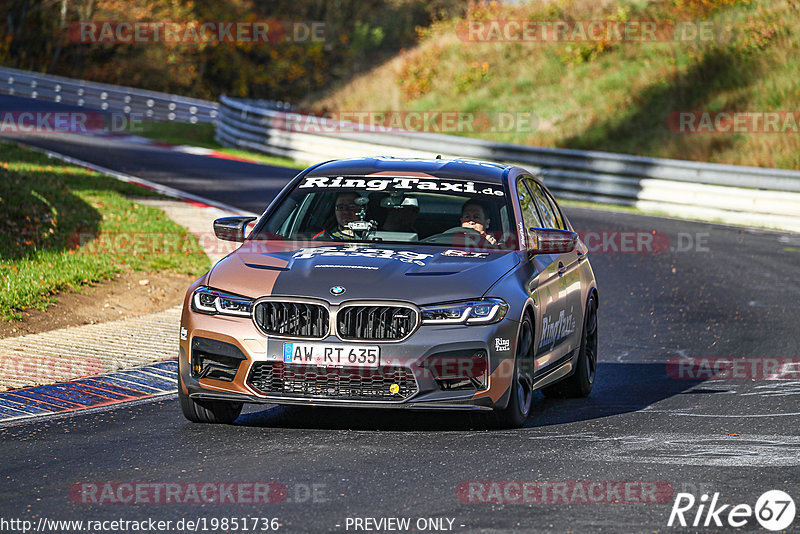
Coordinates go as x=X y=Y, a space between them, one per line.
x=727 y=193
x=708 y=191
x=112 y=98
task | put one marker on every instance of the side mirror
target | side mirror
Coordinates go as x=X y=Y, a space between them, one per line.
x=546 y=241
x=231 y=228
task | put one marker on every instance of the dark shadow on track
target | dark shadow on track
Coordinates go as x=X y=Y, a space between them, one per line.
x=622 y=388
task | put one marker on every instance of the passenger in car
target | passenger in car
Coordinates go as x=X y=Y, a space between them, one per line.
x=474 y=216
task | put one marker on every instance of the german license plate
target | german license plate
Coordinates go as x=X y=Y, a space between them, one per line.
x=332 y=355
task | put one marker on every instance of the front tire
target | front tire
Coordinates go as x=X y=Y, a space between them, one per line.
x=580 y=383
x=219 y=412
x=521 y=396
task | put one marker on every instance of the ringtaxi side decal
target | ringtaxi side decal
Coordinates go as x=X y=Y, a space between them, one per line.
x=502 y=345
x=399 y=183
x=405 y=256
x=554 y=331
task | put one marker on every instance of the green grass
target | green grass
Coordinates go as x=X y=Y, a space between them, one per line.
x=617 y=98
x=202 y=135
x=62 y=227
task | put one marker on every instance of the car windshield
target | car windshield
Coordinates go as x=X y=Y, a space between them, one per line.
x=431 y=211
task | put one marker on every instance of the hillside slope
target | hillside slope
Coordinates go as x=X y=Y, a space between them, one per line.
x=610 y=94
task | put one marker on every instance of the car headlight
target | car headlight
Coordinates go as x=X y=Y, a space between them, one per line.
x=482 y=311
x=215 y=302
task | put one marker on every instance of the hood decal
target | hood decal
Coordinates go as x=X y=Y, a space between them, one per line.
x=405 y=256
x=340 y=266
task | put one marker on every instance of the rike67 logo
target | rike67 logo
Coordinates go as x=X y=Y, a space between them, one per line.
x=774 y=510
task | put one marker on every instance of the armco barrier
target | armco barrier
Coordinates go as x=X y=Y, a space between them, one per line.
x=113 y=98
x=728 y=193
x=140 y=103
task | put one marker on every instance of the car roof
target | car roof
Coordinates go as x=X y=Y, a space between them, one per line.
x=440 y=168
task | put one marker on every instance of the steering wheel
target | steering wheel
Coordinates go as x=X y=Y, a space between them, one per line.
x=462 y=230
x=446 y=236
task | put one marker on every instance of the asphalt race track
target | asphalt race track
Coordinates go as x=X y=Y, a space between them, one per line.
x=714 y=292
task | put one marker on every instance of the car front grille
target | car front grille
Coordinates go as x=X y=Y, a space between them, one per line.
x=294 y=319
x=375 y=322
x=334 y=383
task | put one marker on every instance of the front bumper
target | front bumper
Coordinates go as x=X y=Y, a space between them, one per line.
x=426 y=344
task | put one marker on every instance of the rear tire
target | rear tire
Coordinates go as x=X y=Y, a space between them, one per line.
x=521 y=395
x=580 y=383
x=220 y=412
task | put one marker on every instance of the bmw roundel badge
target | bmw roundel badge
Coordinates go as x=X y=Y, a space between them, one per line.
x=337 y=290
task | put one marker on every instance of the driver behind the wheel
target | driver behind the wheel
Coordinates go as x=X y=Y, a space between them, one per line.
x=345 y=210
x=474 y=216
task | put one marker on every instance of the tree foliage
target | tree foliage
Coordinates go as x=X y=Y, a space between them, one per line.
x=35 y=35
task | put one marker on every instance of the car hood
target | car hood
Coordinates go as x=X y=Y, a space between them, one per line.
x=420 y=274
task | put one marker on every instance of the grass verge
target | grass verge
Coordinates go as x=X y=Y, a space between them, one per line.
x=202 y=135
x=63 y=226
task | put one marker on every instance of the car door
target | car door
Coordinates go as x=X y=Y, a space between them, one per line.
x=543 y=286
x=559 y=333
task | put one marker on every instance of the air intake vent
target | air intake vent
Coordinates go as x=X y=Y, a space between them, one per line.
x=344 y=383
x=376 y=322
x=291 y=319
